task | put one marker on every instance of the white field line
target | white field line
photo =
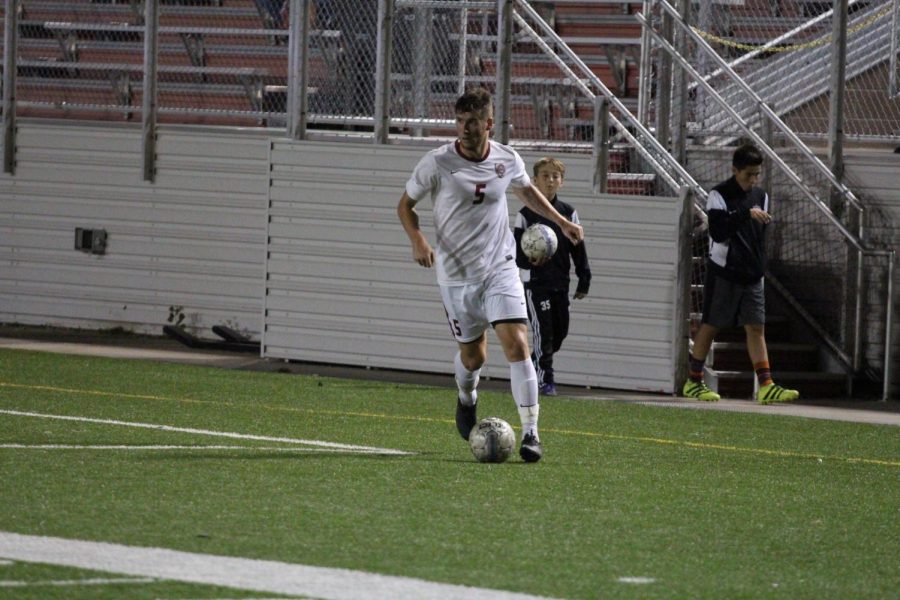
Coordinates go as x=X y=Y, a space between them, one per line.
x=225 y=434
x=170 y=447
x=240 y=573
x=68 y=582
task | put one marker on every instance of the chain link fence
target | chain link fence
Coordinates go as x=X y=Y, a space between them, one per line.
x=226 y=61
x=438 y=50
x=343 y=51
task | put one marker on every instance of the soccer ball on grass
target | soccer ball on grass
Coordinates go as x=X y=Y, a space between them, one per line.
x=492 y=440
x=539 y=242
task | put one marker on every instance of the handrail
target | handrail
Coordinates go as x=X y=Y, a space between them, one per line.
x=126 y=66
x=589 y=75
x=579 y=83
x=464 y=4
x=895 y=27
x=126 y=28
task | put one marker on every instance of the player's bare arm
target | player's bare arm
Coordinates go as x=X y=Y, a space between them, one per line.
x=535 y=200
x=409 y=218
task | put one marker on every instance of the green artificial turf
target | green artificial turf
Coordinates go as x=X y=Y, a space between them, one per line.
x=703 y=504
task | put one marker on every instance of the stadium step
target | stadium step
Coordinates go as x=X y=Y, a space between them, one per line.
x=731 y=356
x=813 y=385
x=795 y=365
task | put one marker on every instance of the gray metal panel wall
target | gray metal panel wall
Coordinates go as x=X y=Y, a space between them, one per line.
x=193 y=239
x=342 y=286
x=341 y=283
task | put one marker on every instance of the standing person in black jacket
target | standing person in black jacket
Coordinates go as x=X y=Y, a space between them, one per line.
x=547 y=282
x=733 y=293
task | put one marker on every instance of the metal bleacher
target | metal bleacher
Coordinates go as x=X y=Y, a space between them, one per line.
x=220 y=61
x=605 y=35
x=225 y=62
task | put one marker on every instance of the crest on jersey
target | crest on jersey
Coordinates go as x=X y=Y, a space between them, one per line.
x=500 y=170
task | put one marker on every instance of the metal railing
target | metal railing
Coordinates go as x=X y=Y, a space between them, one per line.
x=893 y=88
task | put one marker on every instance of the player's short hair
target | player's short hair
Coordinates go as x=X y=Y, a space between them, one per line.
x=745 y=156
x=553 y=163
x=475 y=100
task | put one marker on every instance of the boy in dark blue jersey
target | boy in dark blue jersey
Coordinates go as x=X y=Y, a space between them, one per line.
x=547 y=282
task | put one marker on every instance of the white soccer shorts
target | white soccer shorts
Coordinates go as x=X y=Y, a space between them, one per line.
x=471 y=308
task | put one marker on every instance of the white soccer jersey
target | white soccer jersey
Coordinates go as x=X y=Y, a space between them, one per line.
x=471 y=215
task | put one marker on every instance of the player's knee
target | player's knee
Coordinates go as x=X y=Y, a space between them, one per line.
x=473 y=362
x=518 y=352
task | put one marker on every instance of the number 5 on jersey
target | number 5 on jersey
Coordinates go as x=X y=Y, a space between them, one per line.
x=479 y=193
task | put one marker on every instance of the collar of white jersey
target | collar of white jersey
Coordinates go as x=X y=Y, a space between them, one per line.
x=474 y=160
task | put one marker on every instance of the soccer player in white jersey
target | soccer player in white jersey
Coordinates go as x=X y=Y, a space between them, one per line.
x=474 y=255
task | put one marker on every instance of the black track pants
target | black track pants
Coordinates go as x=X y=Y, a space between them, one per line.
x=548 y=313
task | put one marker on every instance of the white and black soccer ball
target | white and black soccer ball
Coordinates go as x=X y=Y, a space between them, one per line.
x=538 y=242
x=492 y=440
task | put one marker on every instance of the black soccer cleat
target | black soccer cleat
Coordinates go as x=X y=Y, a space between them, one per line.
x=531 y=449
x=465 y=418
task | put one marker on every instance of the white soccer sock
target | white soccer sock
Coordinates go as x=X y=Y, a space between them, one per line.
x=523 y=381
x=466 y=381
x=529 y=417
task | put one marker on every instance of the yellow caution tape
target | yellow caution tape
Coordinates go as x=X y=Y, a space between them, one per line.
x=826 y=39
